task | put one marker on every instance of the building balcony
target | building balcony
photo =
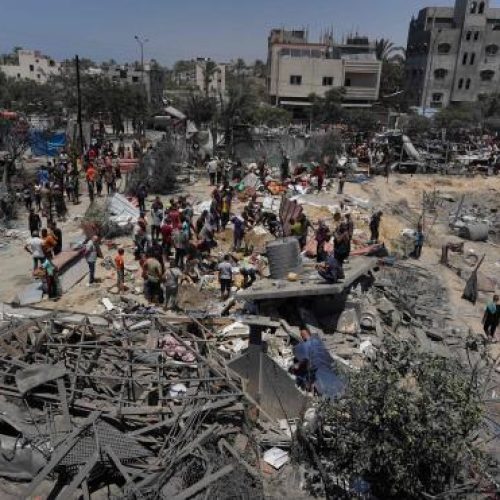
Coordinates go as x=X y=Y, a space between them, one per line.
x=361 y=93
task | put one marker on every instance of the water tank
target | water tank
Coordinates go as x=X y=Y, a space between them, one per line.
x=474 y=232
x=284 y=257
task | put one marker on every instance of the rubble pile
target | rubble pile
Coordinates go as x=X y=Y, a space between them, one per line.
x=141 y=405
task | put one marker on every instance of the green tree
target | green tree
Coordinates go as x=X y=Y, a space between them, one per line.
x=200 y=109
x=327 y=109
x=385 y=50
x=466 y=116
x=362 y=120
x=407 y=425
x=272 y=116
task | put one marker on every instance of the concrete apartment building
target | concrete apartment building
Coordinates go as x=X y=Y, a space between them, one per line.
x=153 y=77
x=194 y=77
x=31 y=65
x=298 y=68
x=453 y=54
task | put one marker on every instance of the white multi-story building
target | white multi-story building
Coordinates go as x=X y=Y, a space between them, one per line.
x=32 y=65
x=453 y=54
x=297 y=69
x=196 y=76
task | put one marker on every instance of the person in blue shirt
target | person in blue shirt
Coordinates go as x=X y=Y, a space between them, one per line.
x=331 y=270
x=315 y=368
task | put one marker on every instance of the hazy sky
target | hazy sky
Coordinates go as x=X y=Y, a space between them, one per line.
x=221 y=29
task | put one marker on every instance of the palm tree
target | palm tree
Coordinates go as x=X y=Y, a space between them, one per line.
x=385 y=50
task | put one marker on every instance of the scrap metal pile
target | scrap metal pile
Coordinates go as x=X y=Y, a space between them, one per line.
x=141 y=406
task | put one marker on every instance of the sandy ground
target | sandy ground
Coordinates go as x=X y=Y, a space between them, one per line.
x=400 y=191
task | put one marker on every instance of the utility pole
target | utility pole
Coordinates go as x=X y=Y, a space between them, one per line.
x=79 y=104
x=141 y=42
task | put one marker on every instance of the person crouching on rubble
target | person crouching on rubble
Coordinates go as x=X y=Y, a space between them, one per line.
x=249 y=269
x=330 y=270
x=225 y=270
x=314 y=368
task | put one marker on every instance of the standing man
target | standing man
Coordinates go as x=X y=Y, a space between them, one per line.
x=375 y=226
x=419 y=242
x=153 y=276
x=212 y=171
x=491 y=318
x=142 y=194
x=156 y=218
x=341 y=178
x=34 y=222
x=120 y=270
x=323 y=236
x=90 y=176
x=225 y=277
x=172 y=280
x=57 y=235
x=34 y=246
x=91 y=251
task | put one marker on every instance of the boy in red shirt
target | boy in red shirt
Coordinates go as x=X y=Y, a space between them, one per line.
x=120 y=269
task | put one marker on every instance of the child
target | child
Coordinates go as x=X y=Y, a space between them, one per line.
x=120 y=270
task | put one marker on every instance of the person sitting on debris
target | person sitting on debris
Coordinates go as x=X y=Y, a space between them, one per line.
x=342 y=243
x=491 y=318
x=323 y=236
x=152 y=275
x=331 y=270
x=314 y=367
x=225 y=270
x=375 y=226
x=120 y=270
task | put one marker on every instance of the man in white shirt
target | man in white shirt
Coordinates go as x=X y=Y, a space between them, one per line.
x=91 y=257
x=34 y=246
x=212 y=170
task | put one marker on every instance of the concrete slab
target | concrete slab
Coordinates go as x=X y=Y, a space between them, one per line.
x=310 y=284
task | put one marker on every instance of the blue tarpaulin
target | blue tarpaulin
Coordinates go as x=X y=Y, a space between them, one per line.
x=46 y=144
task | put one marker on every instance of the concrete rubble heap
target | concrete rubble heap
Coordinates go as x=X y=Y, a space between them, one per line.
x=142 y=405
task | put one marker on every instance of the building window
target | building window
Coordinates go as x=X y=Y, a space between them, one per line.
x=472 y=58
x=464 y=59
x=476 y=36
x=327 y=81
x=468 y=36
x=19 y=75
x=135 y=79
x=481 y=8
x=460 y=83
x=496 y=27
x=491 y=50
x=347 y=82
x=437 y=97
x=38 y=76
x=473 y=7
x=32 y=68
x=295 y=80
x=440 y=73
x=487 y=75
x=444 y=48
x=467 y=84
